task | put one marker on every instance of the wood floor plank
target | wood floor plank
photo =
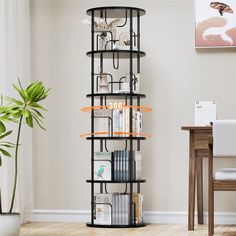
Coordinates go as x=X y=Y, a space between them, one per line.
x=79 y=229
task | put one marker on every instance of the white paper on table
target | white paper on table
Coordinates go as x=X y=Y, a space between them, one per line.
x=205 y=112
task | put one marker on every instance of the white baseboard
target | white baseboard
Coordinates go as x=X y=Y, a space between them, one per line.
x=161 y=217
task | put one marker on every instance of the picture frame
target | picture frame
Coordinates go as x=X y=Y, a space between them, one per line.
x=215 y=23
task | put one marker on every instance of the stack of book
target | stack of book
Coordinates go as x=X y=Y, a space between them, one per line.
x=121 y=165
x=113 y=208
x=116 y=165
x=121 y=121
x=117 y=120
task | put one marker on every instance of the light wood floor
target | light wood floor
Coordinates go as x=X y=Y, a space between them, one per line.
x=78 y=229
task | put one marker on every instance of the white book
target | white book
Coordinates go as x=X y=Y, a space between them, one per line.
x=101 y=121
x=102 y=166
x=126 y=209
x=103 y=204
x=138 y=165
x=205 y=112
x=114 y=222
x=139 y=122
x=116 y=121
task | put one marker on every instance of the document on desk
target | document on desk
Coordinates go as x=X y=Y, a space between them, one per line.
x=205 y=112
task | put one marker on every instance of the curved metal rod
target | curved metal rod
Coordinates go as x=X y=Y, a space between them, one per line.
x=135 y=36
x=125 y=20
x=116 y=66
x=99 y=76
x=106 y=146
x=106 y=188
x=120 y=81
x=126 y=188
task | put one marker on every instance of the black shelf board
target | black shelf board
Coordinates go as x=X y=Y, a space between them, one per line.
x=116 y=11
x=116 y=226
x=110 y=53
x=116 y=95
x=116 y=182
x=116 y=138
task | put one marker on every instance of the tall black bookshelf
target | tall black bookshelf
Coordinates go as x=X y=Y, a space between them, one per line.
x=109 y=52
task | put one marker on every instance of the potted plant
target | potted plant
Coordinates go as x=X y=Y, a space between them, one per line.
x=22 y=111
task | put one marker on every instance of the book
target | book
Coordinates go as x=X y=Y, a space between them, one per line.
x=138 y=208
x=102 y=166
x=103 y=121
x=103 y=208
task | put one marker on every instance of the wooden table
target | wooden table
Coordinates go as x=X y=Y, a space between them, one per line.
x=198 y=149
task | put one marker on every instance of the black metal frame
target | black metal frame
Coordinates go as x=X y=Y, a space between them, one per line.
x=130 y=13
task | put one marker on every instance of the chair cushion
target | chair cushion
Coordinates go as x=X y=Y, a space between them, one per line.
x=224 y=138
x=226 y=174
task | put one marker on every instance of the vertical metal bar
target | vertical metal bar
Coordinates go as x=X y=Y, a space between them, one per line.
x=101 y=63
x=131 y=118
x=138 y=65
x=92 y=118
x=101 y=141
x=138 y=34
x=138 y=188
x=101 y=187
x=138 y=141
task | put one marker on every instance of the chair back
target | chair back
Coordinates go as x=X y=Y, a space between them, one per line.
x=224 y=138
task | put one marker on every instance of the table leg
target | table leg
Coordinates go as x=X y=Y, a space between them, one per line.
x=199 y=191
x=191 y=190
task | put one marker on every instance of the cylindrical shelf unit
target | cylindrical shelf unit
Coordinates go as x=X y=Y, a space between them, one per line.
x=115 y=102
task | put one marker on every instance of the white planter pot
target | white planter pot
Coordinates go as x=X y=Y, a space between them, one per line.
x=10 y=224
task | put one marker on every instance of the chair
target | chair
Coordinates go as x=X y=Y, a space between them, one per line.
x=222 y=144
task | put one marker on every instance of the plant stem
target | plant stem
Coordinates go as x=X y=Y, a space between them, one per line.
x=0 y=201
x=16 y=165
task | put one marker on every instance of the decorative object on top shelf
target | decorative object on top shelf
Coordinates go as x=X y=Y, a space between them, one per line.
x=102 y=83
x=106 y=38
x=125 y=83
x=124 y=41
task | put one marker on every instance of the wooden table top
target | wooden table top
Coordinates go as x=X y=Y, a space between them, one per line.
x=192 y=127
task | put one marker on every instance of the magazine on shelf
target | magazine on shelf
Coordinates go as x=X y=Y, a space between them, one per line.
x=102 y=121
x=103 y=208
x=102 y=166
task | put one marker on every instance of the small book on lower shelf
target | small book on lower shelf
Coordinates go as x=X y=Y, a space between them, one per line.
x=116 y=165
x=113 y=208
x=102 y=166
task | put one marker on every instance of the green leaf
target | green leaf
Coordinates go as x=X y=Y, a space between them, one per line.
x=35 y=104
x=5 y=153
x=14 y=101
x=5 y=134
x=2 y=127
x=17 y=114
x=38 y=122
x=26 y=113
x=6 y=145
x=38 y=113
x=29 y=120
x=0 y=160
x=19 y=91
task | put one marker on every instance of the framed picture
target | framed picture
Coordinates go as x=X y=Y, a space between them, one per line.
x=215 y=24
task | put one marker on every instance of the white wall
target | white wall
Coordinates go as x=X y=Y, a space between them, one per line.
x=174 y=74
